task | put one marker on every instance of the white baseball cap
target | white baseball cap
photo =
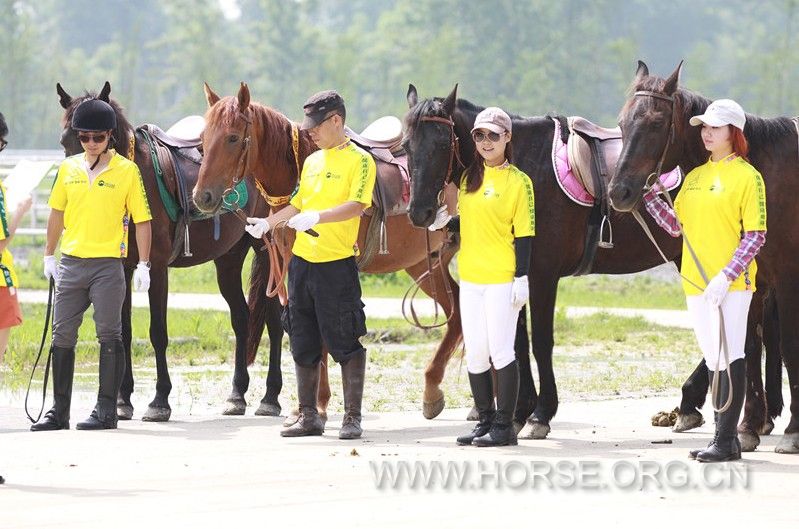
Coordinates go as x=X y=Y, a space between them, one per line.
x=494 y=119
x=721 y=112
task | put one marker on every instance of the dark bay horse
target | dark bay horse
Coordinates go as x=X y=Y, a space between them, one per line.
x=560 y=224
x=227 y=251
x=244 y=138
x=654 y=122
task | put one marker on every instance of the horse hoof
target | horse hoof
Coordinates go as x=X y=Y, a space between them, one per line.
x=517 y=427
x=474 y=415
x=789 y=444
x=292 y=418
x=431 y=410
x=323 y=416
x=157 y=414
x=749 y=441
x=268 y=409
x=688 y=421
x=124 y=412
x=767 y=427
x=534 y=430
x=235 y=407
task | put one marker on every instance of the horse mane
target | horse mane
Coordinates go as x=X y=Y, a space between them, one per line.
x=760 y=131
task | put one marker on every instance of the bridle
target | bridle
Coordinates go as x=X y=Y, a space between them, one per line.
x=454 y=151
x=670 y=135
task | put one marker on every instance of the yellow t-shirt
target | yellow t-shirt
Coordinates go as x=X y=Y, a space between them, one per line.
x=8 y=277
x=331 y=177
x=717 y=203
x=96 y=217
x=502 y=209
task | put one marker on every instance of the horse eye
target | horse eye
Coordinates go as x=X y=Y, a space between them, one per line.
x=232 y=139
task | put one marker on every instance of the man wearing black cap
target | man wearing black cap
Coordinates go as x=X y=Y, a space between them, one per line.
x=324 y=288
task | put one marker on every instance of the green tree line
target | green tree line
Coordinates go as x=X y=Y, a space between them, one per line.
x=528 y=56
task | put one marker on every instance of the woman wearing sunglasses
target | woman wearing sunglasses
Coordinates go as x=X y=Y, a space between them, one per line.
x=496 y=223
x=94 y=197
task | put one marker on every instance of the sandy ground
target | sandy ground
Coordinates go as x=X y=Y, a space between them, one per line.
x=204 y=470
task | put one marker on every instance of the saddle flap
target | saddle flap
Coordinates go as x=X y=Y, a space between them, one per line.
x=581 y=158
x=392 y=186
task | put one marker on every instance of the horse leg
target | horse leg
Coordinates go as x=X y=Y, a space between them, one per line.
x=694 y=393
x=433 y=397
x=270 y=406
x=771 y=342
x=542 y=313
x=755 y=407
x=228 y=278
x=323 y=393
x=124 y=405
x=159 y=410
x=528 y=398
x=788 y=308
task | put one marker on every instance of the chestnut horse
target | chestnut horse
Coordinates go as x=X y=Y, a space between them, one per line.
x=560 y=226
x=654 y=122
x=227 y=251
x=245 y=138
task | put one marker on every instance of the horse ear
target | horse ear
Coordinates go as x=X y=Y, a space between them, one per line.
x=449 y=103
x=65 y=98
x=210 y=96
x=673 y=82
x=642 y=71
x=244 y=96
x=412 y=96
x=104 y=92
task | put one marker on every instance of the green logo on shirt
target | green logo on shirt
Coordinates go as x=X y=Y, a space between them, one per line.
x=103 y=183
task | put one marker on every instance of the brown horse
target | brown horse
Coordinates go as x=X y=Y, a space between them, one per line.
x=228 y=251
x=654 y=122
x=232 y=123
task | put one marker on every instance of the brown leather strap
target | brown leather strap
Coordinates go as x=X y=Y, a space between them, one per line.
x=413 y=290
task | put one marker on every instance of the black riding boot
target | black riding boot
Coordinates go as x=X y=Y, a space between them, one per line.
x=352 y=377
x=502 y=432
x=112 y=367
x=482 y=385
x=308 y=422
x=723 y=389
x=726 y=446
x=57 y=418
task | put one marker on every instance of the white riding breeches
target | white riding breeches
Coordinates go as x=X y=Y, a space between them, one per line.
x=705 y=318
x=489 y=325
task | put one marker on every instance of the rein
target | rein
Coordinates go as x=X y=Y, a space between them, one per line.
x=653 y=182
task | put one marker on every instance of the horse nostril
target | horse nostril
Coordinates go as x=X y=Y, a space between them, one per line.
x=206 y=198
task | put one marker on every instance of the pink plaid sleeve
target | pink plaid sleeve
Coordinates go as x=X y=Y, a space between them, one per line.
x=662 y=213
x=747 y=249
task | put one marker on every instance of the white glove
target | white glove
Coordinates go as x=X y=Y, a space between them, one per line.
x=717 y=289
x=257 y=227
x=304 y=221
x=442 y=217
x=50 y=267
x=141 y=277
x=520 y=293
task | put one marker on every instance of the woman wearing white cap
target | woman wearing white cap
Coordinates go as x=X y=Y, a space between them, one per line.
x=496 y=223
x=722 y=210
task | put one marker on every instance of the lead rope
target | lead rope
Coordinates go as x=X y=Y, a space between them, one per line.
x=49 y=311
x=723 y=348
x=413 y=290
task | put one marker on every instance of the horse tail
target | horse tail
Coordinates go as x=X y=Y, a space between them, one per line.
x=257 y=303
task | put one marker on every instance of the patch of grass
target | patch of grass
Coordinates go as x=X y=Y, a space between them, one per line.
x=634 y=291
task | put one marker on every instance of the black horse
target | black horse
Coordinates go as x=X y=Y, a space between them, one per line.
x=654 y=122
x=560 y=224
x=228 y=251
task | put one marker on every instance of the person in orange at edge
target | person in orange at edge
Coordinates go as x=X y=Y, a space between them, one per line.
x=324 y=287
x=94 y=197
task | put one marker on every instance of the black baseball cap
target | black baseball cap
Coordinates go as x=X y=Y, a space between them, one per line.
x=318 y=106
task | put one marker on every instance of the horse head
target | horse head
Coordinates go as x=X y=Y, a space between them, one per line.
x=647 y=123
x=69 y=137
x=227 y=147
x=429 y=142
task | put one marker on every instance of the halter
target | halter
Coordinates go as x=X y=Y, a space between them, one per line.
x=656 y=173
x=454 y=150
x=241 y=167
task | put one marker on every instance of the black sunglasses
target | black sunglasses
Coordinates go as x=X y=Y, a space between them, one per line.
x=96 y=138
x=479 y=136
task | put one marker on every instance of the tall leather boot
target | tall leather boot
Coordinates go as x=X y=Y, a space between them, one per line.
x=57 y=418
x=482 y=385
x=723 y=389
x=112 y=367
x=726 y=446
x=308 y=422
x=352 y=377
x=502 y=432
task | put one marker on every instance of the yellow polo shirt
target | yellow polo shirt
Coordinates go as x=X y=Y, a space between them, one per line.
x=491 y=217
x=8 y=277
x=96 y=216
x=331 y=177
x=717 y=203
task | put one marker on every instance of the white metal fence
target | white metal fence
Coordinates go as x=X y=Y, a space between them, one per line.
x=35 y=222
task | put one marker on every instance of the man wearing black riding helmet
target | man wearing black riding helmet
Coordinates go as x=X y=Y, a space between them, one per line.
x=94 y=197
